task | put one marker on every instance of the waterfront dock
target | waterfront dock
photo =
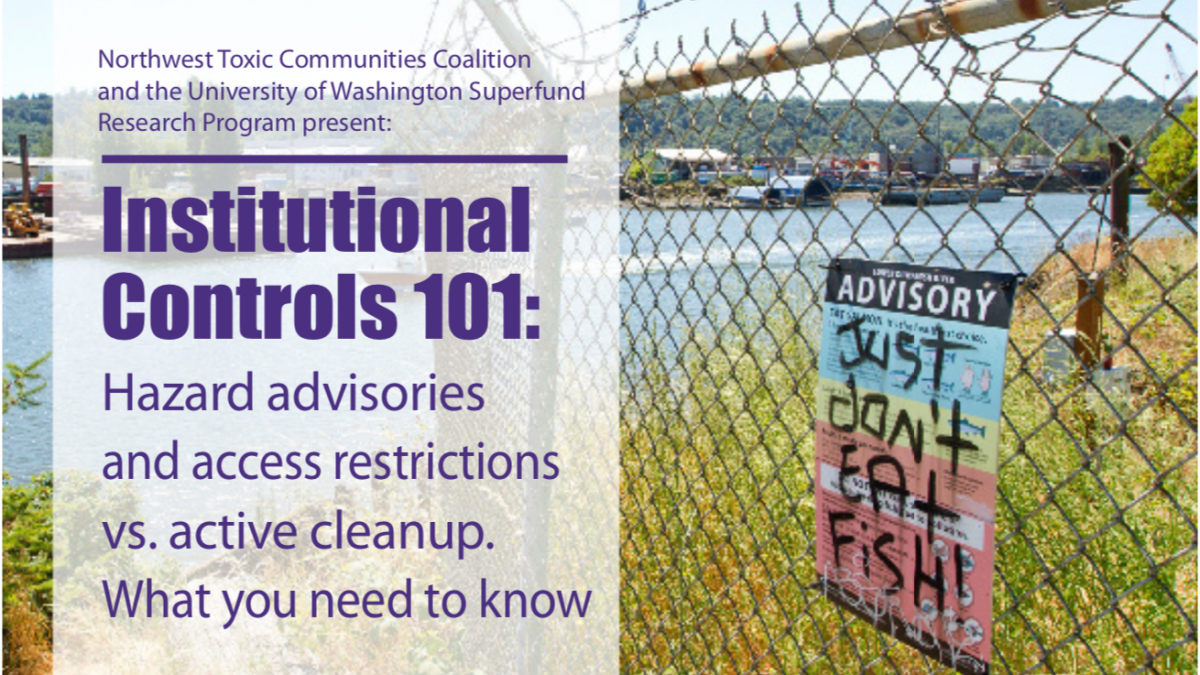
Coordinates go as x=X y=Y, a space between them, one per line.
x=41 y=246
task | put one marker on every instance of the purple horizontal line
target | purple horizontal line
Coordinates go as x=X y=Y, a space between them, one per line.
x=333 y=159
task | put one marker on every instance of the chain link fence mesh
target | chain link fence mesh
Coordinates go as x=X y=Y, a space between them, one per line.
x=723 y=266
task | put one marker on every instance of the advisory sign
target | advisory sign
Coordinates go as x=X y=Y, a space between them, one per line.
x=911 y=377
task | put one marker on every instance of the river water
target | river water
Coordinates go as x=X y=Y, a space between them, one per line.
x=685 y=263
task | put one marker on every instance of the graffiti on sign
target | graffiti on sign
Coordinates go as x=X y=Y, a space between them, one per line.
x=908 y=431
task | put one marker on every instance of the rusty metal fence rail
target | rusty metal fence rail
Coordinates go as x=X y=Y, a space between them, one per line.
x=979 y=134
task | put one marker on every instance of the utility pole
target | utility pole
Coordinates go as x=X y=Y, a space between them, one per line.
x=25 y=196
x=1120 y=159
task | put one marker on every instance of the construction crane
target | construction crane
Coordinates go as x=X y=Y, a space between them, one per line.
x=1183 y=81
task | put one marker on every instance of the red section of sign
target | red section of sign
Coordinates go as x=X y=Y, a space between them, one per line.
x=968 y=490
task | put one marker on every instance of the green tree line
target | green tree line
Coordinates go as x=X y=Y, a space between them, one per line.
x=798 y=126
x=32 y=116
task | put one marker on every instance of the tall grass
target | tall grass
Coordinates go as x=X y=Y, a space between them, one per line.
x=28 y=575
x=27 y=649
x=1095 y=532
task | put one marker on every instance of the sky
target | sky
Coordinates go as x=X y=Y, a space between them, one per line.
x=1082 y=79
x=27 y=47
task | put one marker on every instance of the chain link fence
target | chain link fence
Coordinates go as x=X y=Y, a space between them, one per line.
x=982 y=134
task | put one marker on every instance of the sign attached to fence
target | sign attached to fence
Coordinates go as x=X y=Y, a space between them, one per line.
x=908 y=427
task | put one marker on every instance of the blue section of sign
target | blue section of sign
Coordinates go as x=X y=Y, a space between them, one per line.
x=972 y=357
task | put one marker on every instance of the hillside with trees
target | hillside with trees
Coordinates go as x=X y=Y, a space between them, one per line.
x=798 y=127
x=33 y=117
